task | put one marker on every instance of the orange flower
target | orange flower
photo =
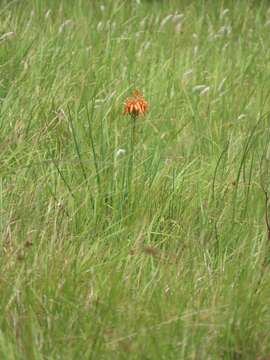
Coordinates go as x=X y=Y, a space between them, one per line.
x=135 y=105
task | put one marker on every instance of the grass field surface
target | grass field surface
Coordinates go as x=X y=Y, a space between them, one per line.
x=134 y=237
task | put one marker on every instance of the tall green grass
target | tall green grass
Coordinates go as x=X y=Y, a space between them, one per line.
x=164 y=259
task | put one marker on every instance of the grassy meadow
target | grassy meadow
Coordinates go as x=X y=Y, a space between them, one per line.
x=134 y=243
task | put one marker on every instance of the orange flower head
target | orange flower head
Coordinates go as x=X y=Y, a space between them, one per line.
x=135 y=105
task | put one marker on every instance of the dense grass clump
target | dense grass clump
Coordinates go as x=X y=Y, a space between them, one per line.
x=145 y=239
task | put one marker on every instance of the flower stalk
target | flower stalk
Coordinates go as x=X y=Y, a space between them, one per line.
x=134 y=106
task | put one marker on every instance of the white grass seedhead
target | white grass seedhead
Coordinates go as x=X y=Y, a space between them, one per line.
x=119 y=152
x=7 y=36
